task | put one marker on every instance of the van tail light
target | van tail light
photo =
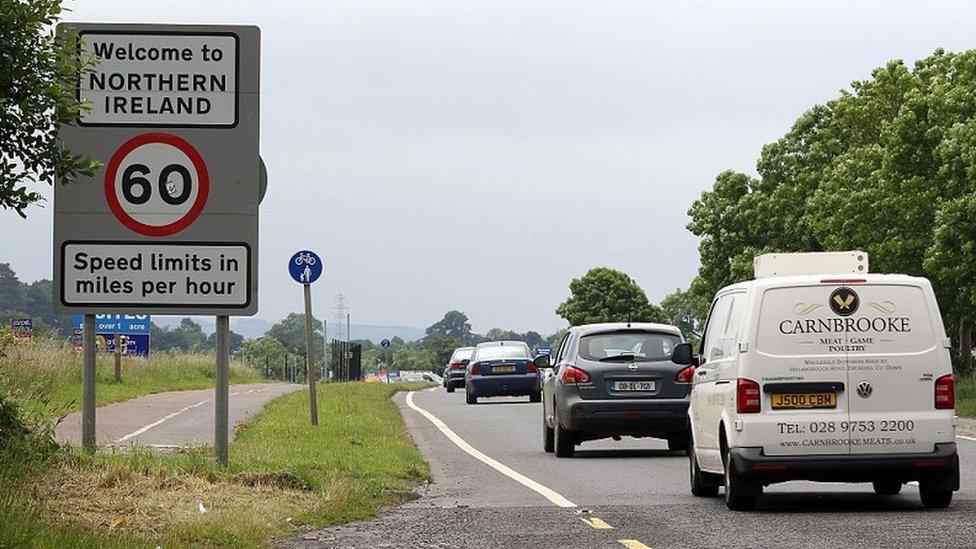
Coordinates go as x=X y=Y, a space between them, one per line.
x=843 y=281
x=573 y=375
x=945 y=393
x=531 y=368
x=747 y=399
x=685 y=375
x=457 y=365
x=476 y=369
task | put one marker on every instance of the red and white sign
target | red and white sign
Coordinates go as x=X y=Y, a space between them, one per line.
x=156 y=184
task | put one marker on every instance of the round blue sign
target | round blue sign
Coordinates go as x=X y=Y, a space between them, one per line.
x=385 y=343
x=305 y=267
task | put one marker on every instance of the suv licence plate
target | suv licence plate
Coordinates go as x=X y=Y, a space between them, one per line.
x=645 y=386
x=793 y=401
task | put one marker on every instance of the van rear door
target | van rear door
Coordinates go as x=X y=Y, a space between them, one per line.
x=895 y=354
x=800 y=363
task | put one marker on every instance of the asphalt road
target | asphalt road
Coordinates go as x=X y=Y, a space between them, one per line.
x=636 y=489
x=171 y=419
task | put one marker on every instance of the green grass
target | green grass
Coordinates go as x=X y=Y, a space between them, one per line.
x=966 y=396
x=283 y=474
x=46 y=375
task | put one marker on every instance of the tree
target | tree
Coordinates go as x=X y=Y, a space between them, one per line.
x=442 y=347
x=291 y=333
x=235 y=343
x=38 y=76
x=683 y=309
x=952 y=261
x=188 y=336
x=874 y=169
x=607 y=295
x=454 y=324
x=264 y=351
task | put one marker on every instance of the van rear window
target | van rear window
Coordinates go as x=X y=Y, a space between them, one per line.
x=836 y=320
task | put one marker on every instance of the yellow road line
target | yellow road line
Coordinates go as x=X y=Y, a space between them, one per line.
x=599 y=524
x=632 y=544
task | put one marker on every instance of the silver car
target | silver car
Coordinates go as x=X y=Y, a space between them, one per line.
x=613 y=380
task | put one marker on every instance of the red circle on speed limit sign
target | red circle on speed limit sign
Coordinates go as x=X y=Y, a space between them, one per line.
x=156 y=184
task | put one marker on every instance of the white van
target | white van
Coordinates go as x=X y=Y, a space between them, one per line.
x=837 y=378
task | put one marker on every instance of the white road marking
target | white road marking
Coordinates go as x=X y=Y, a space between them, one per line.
x=964 y=437
x=160 y=421
x=632 y=544
x=548 y=493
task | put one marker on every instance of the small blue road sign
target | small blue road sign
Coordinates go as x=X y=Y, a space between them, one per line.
x=305 y=267
x=385 y=343
x=543 y=351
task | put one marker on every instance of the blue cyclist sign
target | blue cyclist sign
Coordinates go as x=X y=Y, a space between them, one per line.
x=305 y=267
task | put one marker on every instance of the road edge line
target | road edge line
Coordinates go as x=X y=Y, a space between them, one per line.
x=554 y=497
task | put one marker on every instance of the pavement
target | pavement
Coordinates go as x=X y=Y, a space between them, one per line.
x=171 y=419
x=504 y=491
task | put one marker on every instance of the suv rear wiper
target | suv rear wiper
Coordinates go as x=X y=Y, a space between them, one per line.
x=625 y=356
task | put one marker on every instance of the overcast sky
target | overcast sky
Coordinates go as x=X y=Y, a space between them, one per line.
x=478 y=155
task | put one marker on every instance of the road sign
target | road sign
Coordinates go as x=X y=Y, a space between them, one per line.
x=134 y=330
x=385 y=344
x=122 y=324
x=539 y=351
x=156 y=184
x=305 y=267
x=23 y=329
x=169 y=224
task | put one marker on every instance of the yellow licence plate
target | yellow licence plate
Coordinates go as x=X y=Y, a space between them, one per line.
x=503 y=369
x=784 y=401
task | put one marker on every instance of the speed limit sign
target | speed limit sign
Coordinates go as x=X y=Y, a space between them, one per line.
x=156 y=184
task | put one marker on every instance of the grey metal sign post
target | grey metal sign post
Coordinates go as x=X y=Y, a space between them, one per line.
x=169 y=224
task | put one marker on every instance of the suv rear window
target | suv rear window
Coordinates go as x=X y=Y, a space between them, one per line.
x=461 y=354
x=495 y=352
x=633 y=345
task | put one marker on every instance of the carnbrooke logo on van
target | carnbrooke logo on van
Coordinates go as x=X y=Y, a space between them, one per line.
x=845 y=302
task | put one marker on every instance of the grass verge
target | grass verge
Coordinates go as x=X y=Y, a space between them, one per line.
x=284 y=475
x=46 y=376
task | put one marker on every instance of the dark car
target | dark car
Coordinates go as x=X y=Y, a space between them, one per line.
x=614 y=380
x=502 y=368
x=454 y=372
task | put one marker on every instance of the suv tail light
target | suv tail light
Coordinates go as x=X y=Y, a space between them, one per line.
x=685 y=375
x=945 y=393
x=747 y=399
x=531 y=368
x=475 y=369
x=573 y=375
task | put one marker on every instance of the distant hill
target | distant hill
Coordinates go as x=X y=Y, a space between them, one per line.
x=256 y=327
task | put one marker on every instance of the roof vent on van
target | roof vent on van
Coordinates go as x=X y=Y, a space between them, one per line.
x=815 y=263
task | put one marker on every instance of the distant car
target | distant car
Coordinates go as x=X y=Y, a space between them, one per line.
x=613 y=380
x=454 y=372
x=502 y=368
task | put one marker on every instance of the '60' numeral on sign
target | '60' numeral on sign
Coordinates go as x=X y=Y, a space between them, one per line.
x=131 y=179
x=156 y=184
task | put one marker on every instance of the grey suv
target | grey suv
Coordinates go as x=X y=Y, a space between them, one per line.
x=614 y=380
